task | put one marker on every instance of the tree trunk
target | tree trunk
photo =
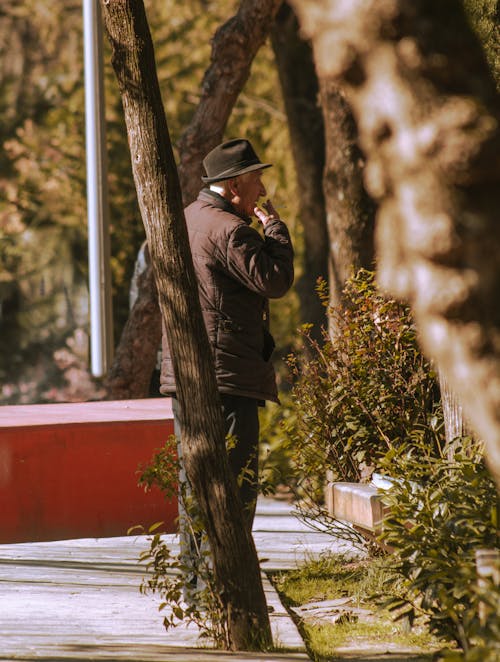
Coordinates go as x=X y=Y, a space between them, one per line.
x=427 y=113
x=236 y=566
x=235 y=45
x=300 y=89
x=130 y=375
x=350 y=211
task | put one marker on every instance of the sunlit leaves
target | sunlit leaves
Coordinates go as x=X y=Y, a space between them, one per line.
x=367 y=394
x=441 y=512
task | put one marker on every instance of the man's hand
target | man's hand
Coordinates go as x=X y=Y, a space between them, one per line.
x=267 y=214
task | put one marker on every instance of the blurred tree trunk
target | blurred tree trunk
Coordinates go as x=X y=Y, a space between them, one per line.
x=350 y=211
x=427 y=113
x=236 y=565
x=234 y=47
x=300 y=90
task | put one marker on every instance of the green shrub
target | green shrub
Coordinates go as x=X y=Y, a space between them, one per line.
x=369 y=400
x=441 y=512
x=367 y=391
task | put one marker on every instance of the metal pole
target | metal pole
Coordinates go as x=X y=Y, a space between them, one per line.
x=101 y=331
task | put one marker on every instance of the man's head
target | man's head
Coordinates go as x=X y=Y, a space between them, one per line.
x=244 y=191
x=237 y=170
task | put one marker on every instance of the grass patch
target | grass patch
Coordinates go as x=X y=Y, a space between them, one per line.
x=335 y=576
x=330 y=577
x=325 y=640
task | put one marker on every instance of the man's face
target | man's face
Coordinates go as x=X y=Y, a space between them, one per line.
x=249 y=189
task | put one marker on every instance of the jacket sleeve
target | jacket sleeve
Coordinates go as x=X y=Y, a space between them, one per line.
x=264 y=265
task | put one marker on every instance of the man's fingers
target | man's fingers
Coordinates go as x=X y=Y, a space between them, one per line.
x=271 y=211
x=264 y=216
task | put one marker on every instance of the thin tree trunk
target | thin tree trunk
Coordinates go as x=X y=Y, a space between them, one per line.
x=427 y=113
x=452 y=415
x=350 y=211
x=300 y=90
x=236 y=566
x=235 y=45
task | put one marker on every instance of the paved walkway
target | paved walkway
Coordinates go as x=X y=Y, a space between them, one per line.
x=80 y=599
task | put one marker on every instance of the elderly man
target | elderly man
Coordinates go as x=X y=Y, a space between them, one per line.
x=237 y=270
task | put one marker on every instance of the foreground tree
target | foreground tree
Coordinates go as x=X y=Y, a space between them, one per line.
x=427 y=113
x=234 y=47
x=236 y=566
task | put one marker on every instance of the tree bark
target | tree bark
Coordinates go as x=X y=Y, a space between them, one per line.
x=427 y=113
x=236 y=567
x=452 y=415
x=235 y=45
x=336 y=213
x=350 y=211
x=135 y=358
x=300 y=90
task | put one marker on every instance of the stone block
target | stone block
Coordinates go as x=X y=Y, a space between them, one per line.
x=357 y=503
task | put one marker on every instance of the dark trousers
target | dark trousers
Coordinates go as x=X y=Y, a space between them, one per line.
x=242 y=424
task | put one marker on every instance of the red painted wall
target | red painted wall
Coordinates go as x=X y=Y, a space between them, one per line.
x=70 y=471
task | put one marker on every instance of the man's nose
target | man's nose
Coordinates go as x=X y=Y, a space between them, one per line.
x=262 y=190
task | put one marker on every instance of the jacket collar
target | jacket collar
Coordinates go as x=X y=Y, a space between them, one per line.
x=213 y=198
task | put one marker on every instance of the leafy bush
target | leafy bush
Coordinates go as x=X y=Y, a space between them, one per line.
x=366 y=392
x=167 y=578
x=441 y=512
x=369 y=400
x=275 y=454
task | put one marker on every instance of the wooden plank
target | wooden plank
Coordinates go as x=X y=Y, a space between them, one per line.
x=80 y=599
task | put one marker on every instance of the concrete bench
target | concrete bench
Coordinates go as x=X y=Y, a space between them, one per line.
x=357 y=503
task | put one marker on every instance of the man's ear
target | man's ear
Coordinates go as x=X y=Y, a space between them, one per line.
x=234 y=186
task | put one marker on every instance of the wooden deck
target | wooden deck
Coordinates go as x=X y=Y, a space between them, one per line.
x=80 y=600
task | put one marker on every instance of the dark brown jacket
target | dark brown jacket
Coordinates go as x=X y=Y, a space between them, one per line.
x=237 y=271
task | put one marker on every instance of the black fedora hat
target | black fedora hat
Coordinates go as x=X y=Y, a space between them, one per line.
x=232 y=158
